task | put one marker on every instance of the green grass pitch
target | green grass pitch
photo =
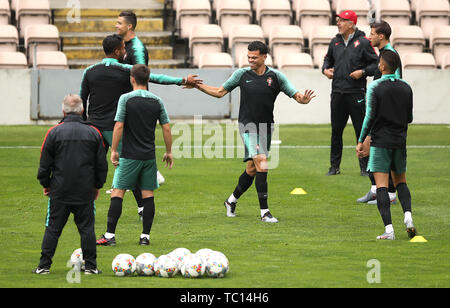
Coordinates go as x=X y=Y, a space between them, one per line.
x=323 y=239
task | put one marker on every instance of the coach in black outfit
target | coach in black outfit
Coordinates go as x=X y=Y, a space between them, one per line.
x=349 y=60
x=72 y=169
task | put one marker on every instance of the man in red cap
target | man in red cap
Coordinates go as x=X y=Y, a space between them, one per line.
x=349 y=60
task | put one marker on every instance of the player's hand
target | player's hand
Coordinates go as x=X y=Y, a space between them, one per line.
x=329 y=73
x=357 y=74
x=306 y=97
x=191 y=81
x=360 y=150
x=46 y=191
x=366 y=147
x=115 y=158
x=168 y=159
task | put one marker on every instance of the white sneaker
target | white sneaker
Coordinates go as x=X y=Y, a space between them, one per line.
x=231 y=208
x=161 y=179
x=386 y=236
x=269 y=218
x=410 y=229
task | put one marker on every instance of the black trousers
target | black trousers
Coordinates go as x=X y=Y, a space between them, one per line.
x=344 y=105
x=57 y=216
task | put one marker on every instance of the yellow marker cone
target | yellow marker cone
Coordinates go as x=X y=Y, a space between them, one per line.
x=298 y=191
x=418 y=239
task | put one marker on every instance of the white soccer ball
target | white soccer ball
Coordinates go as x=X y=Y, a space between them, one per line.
x=217 y=265
x=124 y=265
x=192 y=266
x=166 y=266
x=203 y=253
x=179 y=254
x=77 y=258
x=144 y=264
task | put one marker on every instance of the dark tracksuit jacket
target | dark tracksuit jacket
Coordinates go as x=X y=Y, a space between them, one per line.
x=73 y=165
x=348 y=95
x=136 y=52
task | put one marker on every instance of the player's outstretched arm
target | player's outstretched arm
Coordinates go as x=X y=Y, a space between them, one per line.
x=304 y=98
x=218 y=92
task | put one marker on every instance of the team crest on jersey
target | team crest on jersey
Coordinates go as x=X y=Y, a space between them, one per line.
x=357 y=43
x=269 y=81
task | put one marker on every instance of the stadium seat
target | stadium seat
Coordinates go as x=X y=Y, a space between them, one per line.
x=431 y=13
x=13 y=4
x=233 y=12
x=51 y=60
x=215 y=60
x=440 y=43
x=9 y=38
x=446 y=62
x=396 y=12
x=13 y=60
x=407 y=39
x=243 y=60
x=190 y=13
x=5 y=12
x=32 y=12
x=41 y=38
x=319 y=41
x=313 y=13
x=360 y=7
x=271 y=13
x=365 y=29
x=240 y=37
x=295 y=60
x=204 y=39
x=418 y=61
x=284 y=40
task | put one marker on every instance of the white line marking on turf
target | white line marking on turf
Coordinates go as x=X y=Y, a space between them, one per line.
x=306 y=147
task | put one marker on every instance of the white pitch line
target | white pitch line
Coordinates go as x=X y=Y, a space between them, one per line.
x=306 y=147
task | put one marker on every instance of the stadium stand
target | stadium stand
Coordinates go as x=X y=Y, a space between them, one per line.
x=284 y=40
x=13 y=60
x=233 y=12
x=296 y=60
x=241 y=36
x=446 y=62
x=271 y=13
x=215 y=60
x=418 y=61
x=408 y=39
x=9 y=38
x=360 y=7
x=243 y=60
x=190 y=13
x=41 y=38
x=396 y=13
x=431 y=13
x=51 y=60
x=440 y=43
x=319 y=40
x=32 y=12
x=205 y=39
x=313 y=13
x=5 y=12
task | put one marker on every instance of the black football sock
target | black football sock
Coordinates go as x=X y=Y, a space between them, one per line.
x=245 y=181
x=372 y=179
x=138 y=196
x=391 y=188
x=404 y=195
x=115 y=210
x=148 y=214
x=384 y=205
x=261 y=189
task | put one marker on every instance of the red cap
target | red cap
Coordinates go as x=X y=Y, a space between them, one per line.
x=350 y=15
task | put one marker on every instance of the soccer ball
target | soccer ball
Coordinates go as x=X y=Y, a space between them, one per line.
x=77 y=258
x=166 y=266
x=179 y=254
x=217 y=265
x=144 y=264
x=203 y=253
x=124 y=265
x=192 y=266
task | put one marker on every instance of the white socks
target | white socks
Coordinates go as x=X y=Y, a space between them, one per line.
x=389 y=229
x=408 y=216
x=232 y=199
x=109 y=236
x=147 y=236
x=373 y=189
x=263 y=212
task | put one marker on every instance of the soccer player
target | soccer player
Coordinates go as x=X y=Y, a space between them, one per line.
x=137 y=115
x=379 y=37
x=389 y=111
x=260 y=86
x=72 y=169
x=103 y=84
x=136 y=53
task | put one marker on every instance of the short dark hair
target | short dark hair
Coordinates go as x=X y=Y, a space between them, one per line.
x=141 y=73
x=111 y=43
x=257 y=45
x=382 y=27
x=130 y=17
x=392 y=59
